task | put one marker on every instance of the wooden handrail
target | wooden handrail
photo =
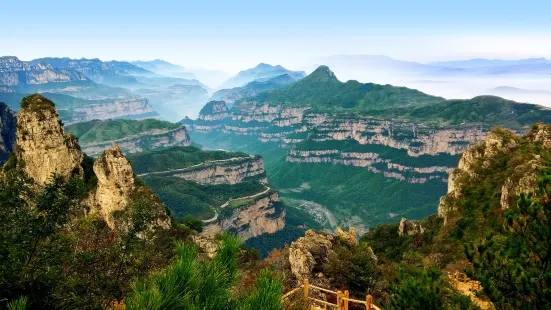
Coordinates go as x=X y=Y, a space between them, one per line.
x=342 y=298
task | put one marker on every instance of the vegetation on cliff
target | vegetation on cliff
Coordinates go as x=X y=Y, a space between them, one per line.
x=176 y=158
x=100 y=131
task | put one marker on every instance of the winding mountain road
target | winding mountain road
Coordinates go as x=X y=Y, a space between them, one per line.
x=215 y=217
x=197 y=165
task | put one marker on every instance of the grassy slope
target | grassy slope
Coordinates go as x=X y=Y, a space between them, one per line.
x=186 y=197
x=322 y=90
x=483 y=110
x=176 y=157
x=99 y=131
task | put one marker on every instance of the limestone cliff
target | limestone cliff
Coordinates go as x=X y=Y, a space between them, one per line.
x=522 y=157
x=213 y=111
x=227 y=171
x=153 y=139
x=260 y=215
x=14 y=72
x=7 y=131
x=43 y=148
x=115 y=182
x=130 y=107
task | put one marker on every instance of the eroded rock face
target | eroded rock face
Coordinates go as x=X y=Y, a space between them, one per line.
x=213 y=111
x=500 y=144
x=307 y=252
x=144 y=141
x=409 y=228
x=209 y=246
x=230 y=171
x=349 y=236
x=263 y=215
x=43 y=148
x=7 y=131
x=15 y=72
x=115 y=182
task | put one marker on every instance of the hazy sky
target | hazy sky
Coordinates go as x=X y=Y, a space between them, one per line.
x=233 y=35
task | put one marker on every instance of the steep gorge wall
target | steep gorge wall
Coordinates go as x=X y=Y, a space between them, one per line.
x=132 y=107
x=144 y=141
x=7 y=132
x=264 y=214
x=229 y=171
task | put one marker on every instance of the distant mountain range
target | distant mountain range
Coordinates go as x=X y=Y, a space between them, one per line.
x=261 y=72
x=478 y=67
x=164 y=68
x=253 y=88
x=482 y=62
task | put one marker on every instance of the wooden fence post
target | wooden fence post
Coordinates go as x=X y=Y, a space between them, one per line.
x=368 y=302
x=346 y=295
x=306 y=288
x=339 y=300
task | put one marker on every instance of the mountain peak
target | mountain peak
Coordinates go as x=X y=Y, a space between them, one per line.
x=322 y=73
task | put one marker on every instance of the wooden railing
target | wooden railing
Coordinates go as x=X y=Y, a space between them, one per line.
x=343 y=299
x=461 y=277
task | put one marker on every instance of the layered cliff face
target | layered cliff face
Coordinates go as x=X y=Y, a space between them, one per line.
x=227 y=171
x=250 y=218
x=43 y=148
x=132 y=107
x=514 y=162
x=213 y=111
x=14 y=72
x=7 y=131
x=148 y=140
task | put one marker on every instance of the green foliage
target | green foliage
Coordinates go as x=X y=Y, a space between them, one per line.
x=18 y=304
x=419 y=291
x=57 y=257
x=487 y=110
x=190 y=283
x=514 y=268
x=177 y=157
x=352 y=267
x=266 y=294
x=193 y=223
x=37 y=102
x=113 y=129
x=322 y=90
x=188 y=197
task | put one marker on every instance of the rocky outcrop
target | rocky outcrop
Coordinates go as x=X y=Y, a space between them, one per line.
x=312 y=251
x=409 y=228
x=261 y=215
x=214 y=111
x=115 y=182
x=227 y=171
x=523 y=165
x=308 y=252
x=149 y=140
x=43 y=148
x=7 y=131
x=350 y=235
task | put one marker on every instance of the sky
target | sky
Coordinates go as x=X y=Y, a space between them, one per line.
x=234 y=35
